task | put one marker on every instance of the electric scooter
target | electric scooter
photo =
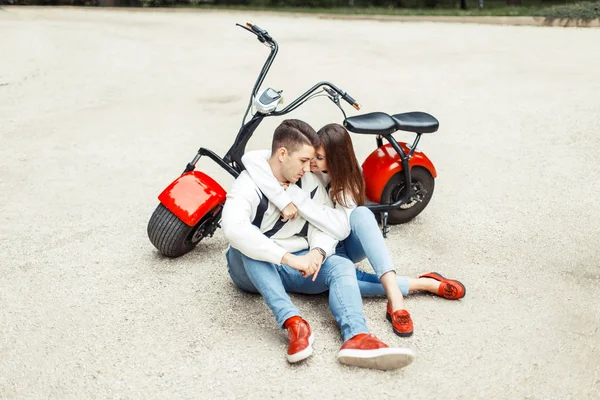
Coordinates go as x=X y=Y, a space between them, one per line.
x=399 y=179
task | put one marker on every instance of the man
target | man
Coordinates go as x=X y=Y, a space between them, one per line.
x=272 y=256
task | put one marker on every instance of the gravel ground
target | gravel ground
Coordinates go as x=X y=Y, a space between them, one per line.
x=101 y=109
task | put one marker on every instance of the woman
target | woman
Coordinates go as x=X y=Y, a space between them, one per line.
x=350 y=222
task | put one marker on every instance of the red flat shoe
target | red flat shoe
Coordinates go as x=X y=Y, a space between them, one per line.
x=401 y=321
x=449 y=288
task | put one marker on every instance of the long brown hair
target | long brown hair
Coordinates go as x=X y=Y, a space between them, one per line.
x=347 y=181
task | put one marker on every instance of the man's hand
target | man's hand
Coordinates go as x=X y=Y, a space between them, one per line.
x=289 y=212
x=308 y=264
x=316 y=259
x=300 y=263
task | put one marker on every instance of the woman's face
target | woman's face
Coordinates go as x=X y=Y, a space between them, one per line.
x=318 y=162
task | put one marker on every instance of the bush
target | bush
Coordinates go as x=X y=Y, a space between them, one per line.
x=49 y=2
x=586 y=11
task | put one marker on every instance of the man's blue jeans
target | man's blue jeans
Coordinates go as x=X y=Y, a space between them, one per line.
x=272 y=281
x=366 y=241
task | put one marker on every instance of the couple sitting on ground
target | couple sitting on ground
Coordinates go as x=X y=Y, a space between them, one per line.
x=297 y=231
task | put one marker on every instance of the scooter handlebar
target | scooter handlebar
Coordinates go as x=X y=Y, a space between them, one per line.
x=351 y=101
x=255 y=28
x=261 y=33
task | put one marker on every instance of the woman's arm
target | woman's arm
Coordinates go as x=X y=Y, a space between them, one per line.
x=333 y=221
x=257 y=166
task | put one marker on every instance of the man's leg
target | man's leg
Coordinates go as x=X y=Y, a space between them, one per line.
x=360 y=348
x=344 y=296
x=338 y=276
x=250 y=275
x=237 y=272
x=265 y=278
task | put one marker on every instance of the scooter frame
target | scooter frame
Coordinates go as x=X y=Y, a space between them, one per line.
x=205 y=208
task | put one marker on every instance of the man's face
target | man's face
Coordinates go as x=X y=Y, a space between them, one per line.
x=294 y=165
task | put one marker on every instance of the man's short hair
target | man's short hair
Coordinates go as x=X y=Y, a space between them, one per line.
x=292 y=134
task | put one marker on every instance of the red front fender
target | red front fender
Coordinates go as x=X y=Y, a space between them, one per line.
x=383 y=163
x=191 y=196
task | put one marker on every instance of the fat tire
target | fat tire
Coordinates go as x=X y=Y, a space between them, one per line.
x=170 y=235
x=401 y=215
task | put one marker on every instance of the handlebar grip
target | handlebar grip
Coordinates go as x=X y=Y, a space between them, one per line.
x=255 y=28
x=261 y=33
x=351 y=101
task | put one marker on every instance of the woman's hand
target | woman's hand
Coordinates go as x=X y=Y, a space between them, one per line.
x=289 y=212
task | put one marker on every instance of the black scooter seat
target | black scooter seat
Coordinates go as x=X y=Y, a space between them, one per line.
x=379 y=123
x=376 y=123
x=418 y=122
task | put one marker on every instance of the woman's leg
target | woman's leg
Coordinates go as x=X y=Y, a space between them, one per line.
x=366 y=240
x=370 y=285
x=426 y=284
x=433 y=282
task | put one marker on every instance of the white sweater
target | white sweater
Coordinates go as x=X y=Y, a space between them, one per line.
x=252 y=223
x=334 y=221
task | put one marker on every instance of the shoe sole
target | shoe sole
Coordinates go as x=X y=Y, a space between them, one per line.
x=384 y=359
x=441 y=277
x=402 y=334
x=304 y=354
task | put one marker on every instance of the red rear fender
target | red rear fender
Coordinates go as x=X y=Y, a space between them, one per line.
x=383 y=163
x=191 y=196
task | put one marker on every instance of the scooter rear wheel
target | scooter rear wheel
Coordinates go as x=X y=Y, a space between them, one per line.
x=172 y=237
x=422 y=184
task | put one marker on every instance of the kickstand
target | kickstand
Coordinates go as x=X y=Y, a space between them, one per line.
x=384 y=226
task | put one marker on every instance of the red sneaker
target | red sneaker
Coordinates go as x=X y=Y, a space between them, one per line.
x=366 y=351
x=449 y=289
x=300 y=337
x=401 y=321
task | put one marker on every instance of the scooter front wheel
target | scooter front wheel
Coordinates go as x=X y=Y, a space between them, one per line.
x=172 y=237
x=422 y=185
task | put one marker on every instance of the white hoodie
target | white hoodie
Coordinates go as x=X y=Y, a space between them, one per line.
x=253 y=225
x=333 y=221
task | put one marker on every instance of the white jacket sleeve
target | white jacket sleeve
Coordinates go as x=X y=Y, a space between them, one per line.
x=317 y=237
x=257 y=166
x=238 y=228
x=320 y=213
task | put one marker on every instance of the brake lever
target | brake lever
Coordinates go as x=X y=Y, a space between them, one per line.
x=335 y=98
x=249 y=30
x=260 y=36
x=330 y=91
